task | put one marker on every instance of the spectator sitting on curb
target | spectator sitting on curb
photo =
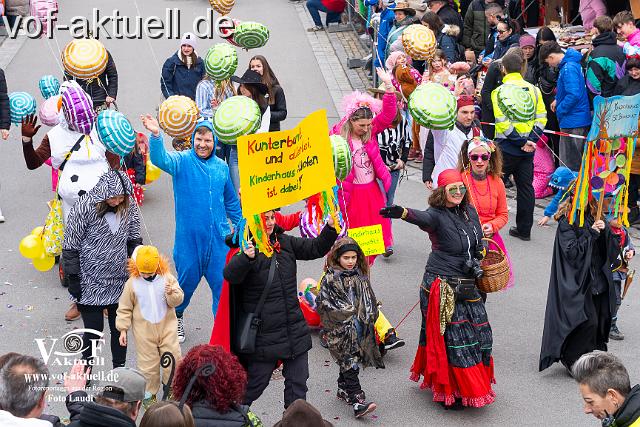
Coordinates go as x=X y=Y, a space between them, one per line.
x=21 y=401
x=117 y=405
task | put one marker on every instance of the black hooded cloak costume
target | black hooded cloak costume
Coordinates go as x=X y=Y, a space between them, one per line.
x=581 y=297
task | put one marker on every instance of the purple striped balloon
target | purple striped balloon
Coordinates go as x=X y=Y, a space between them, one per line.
x=78 y=109
x=309 y=229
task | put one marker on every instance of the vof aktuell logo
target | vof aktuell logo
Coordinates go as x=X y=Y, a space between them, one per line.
x=68 y=349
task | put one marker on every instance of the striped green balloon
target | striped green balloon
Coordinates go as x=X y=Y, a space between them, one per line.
x=341 y=156
x=115 y=132
x=516 y=103
x=21 y=104
x=236 y=116
x=433 y=106
x=251 y=35
x=221 y=61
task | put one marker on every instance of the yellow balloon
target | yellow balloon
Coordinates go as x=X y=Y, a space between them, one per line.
x=37 y=231
x=153 y=172
x=31 y=247
x=44 y=262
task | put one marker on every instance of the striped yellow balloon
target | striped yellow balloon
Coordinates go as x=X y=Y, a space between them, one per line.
x=178 y=116
x=223 y=7
x=419 y=42
x=85 y=58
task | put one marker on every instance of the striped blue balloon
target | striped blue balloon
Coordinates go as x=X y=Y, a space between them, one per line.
x=21 y=104
x=49 y=86
x=115 y=132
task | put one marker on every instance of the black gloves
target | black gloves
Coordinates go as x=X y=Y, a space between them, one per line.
x=75 y=289
x=393 y=211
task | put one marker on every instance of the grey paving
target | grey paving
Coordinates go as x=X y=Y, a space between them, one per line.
x=32 y=303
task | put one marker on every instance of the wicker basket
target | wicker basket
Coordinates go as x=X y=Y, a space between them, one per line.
x=496 y=270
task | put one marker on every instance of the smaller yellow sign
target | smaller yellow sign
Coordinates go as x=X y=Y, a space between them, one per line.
x=369 y=238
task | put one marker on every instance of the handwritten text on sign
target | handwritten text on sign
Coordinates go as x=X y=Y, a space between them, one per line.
x=620 y=118
x=369 y=238
x=284 y=167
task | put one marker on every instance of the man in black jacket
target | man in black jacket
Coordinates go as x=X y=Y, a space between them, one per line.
x=5 y=114
x=102 y=90
x=118 y=405
x=283 y=333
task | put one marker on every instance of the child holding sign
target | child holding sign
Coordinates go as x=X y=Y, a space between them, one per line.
x=349 y=309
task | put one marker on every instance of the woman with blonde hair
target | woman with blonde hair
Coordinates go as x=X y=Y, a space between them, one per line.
x=361 y=197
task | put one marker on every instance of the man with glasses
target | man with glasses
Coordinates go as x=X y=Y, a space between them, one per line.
x=442 y=148
x=517 y=140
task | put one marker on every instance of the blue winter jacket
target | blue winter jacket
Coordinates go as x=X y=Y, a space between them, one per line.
x=386 y=22
x=177 y=79
x=204 y=197
x=572 y=99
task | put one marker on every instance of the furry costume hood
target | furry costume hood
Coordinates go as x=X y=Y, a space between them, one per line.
x=163 y=267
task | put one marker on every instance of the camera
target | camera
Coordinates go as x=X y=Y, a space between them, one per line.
x=473 y=267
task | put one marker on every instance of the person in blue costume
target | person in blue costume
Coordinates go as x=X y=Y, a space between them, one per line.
x=201 y=221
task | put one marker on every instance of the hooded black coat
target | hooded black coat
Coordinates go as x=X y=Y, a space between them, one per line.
x=573 y=265
x=283 y=333
x=93 y=415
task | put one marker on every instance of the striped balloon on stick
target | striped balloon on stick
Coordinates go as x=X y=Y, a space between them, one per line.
x=178 y=116
x=236 y=116
x=85 y=58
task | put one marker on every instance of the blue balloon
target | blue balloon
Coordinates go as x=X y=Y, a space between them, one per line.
x=115 y=132
x=49 y=86
x=21 y=104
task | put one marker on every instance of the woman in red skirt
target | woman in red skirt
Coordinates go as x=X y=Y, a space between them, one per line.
x=454 y=354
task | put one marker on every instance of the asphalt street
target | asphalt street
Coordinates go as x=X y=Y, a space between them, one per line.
x=32 y=304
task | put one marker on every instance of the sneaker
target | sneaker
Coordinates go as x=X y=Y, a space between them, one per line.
x=315 y=29
x=392 y=341
x=412 y=154
x=615 y=333
x=361 y=407
x=72 y=313
x=181 y=336
x=388 y=252
x=148 y=401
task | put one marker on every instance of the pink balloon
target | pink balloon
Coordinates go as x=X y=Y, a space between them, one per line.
x=49 y=113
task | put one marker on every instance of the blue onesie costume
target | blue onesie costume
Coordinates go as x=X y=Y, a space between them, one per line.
x=204 y=197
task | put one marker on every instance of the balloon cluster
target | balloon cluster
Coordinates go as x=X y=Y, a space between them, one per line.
x=32 y=247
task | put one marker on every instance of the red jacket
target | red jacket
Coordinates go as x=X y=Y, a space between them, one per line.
x=335 y=5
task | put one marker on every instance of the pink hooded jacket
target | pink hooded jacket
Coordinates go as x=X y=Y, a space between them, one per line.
x=379 y=123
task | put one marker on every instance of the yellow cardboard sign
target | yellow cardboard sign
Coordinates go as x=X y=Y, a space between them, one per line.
x=369 y=238
x=283 y=167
